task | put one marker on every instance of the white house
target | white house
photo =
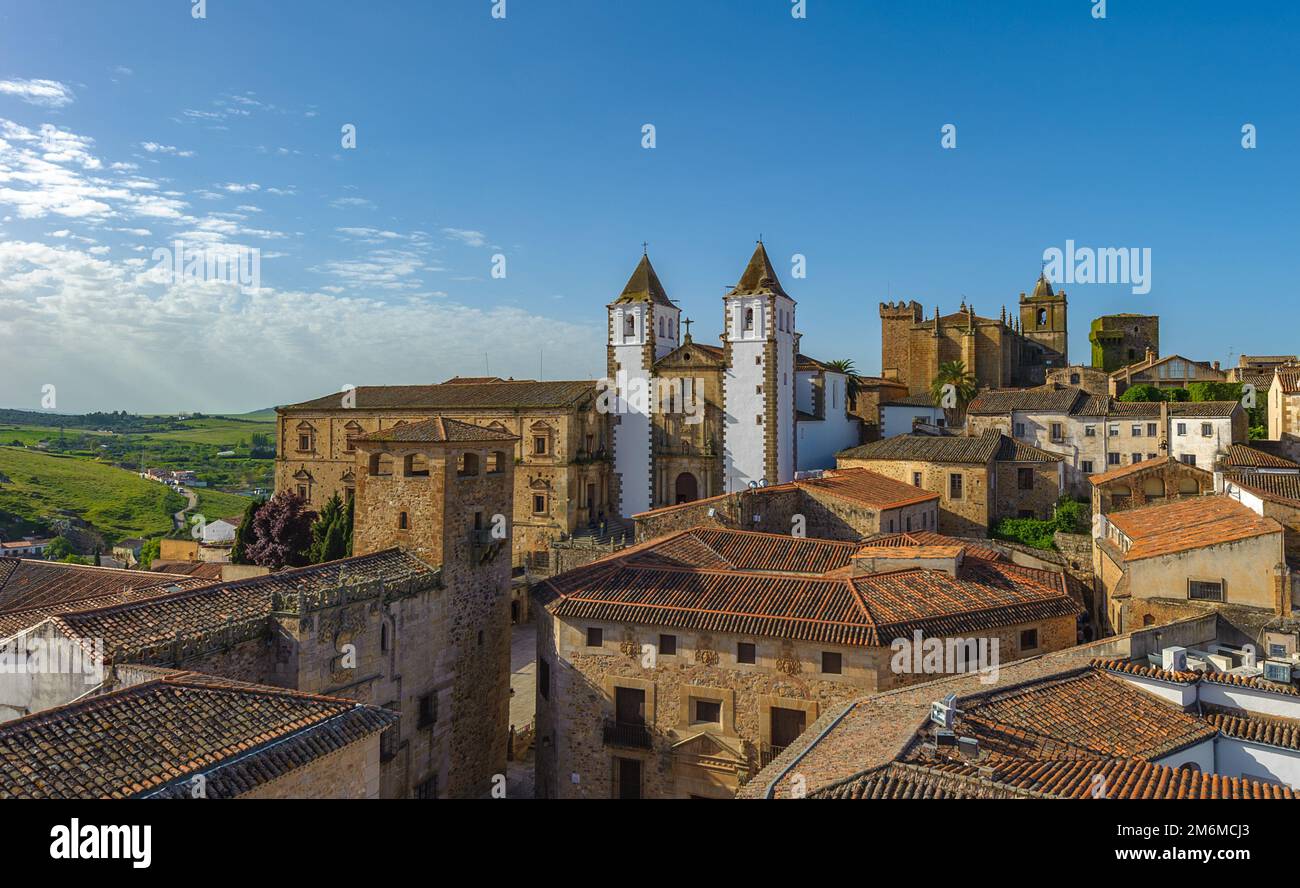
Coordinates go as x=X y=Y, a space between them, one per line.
x=823 y=423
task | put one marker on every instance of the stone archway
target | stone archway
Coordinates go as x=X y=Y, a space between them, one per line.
x=686 y=488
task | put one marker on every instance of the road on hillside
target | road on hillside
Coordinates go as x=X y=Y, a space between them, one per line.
x=192 y=499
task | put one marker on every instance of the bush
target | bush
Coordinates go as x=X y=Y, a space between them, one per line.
x=1071 y=516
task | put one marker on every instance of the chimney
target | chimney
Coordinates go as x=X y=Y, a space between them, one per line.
x=1151 y=354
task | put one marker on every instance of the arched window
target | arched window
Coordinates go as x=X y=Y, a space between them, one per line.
x=749 y=320
x=467 y=464
x=1042 y=317
x=416 y=465
x=496 y=462
x=629 y=325
x=661 y=326
x=383 y=637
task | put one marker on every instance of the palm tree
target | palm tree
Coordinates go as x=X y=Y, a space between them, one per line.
x=953 y=400
x=851 y=386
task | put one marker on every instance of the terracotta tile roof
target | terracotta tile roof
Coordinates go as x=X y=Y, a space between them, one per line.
x=522 y=394
x=904 y=780
x=134 y=629
x=803 y=362
x=1278 y=486
x=675 y=582
x=1143 y=467
x=1089 y=713
x=906 y=552
x=950 y=449
x=856 y=484
x=1255 y=728
x=439 y=430
x=920 y=399
x=150 y=739
x=1129 y=667
x=745 y=550
x=1250 y=681
x=868 y=488
x=27 y=584
x=973 y=548
x=1289 y=379
x=1129 y=779
x=1188 y=524
x=206 y=570
x=1248 y=457
x=1050 y=397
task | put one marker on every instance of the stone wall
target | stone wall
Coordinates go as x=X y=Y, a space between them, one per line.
x=574 y=760
x=349 y=773
x=967 y=516
x=1040 y=500
x=574 y=475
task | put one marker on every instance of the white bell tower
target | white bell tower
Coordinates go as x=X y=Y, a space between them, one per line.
x=759 y=386
x=643 y=326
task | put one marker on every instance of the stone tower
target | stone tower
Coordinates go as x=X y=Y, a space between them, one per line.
x=896 y=322
x=1043 y=325
x=1122 y=339
x=760 y=344
x=443 y=491
x=643 y=326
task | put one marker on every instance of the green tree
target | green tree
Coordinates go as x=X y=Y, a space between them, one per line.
x=150 y=551
x=59 y=549
x=1142 y=392
x=331 y=532
x=851 y=386
x=954 y=374
x=243 y=534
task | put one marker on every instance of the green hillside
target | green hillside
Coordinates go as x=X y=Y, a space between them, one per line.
x=119 y=503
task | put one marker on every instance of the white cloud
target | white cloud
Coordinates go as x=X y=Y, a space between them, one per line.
x=466 y=236
x=47 y=93
x=105 y=333
x=156 y=148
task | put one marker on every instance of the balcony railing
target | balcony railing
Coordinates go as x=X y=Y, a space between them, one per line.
x=767 y=754
x=631 y=734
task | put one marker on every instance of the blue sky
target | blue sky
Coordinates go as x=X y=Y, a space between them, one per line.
x=124 y=126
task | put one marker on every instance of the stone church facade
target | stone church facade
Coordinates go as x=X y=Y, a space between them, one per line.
x=718 y=418
x=999 y=352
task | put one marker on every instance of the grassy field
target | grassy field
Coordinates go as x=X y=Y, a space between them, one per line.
x=32 y=434
x=214 y=504
x=219 y=430
x=119 y=503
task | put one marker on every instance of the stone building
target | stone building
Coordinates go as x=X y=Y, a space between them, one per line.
x=1122 y=339
x=998 y=352
x=979 y=479
x=417 y=621
x=564 y=480
x=680 y=667
x=873 y=392
x=1090 y=379
x=1075 y=724
x=1096 y=433
x=694 y=420
x=1273 y=495
x=1169 y=372
x=1148 y=483
x=180 y=735
x=1153 y=564
x=1284 y=404
x=841 y=504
